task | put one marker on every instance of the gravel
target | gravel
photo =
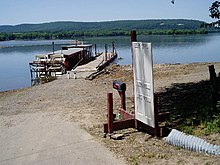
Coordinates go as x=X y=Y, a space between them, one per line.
x=84 y=101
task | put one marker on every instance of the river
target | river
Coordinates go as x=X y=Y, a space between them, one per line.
x=16 y=55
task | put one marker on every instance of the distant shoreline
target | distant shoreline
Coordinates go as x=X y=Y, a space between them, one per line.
x=28 y=36
x=70 y=30
x=71 y=35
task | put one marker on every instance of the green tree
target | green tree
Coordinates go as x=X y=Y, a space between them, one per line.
x=214 y=13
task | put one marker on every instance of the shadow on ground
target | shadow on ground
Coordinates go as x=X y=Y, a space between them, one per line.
x=189 y=104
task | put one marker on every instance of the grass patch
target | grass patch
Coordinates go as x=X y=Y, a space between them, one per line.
x=212 y=126
x=187 y=129
x=191 y=108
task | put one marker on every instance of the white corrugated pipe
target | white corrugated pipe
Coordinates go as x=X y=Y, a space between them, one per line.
x=192 y=143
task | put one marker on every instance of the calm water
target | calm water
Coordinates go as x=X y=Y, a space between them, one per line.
x=16 y=55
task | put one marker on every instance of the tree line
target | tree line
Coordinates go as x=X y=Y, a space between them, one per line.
x=97 y=33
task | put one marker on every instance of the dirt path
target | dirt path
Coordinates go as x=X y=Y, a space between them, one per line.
x=84 y=102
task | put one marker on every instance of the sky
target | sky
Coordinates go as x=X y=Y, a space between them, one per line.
x=13 y=12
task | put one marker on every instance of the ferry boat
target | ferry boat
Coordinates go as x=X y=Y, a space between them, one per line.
x=61 y=61
x=68 y=59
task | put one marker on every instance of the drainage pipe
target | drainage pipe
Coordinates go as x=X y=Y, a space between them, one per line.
x=191 y=143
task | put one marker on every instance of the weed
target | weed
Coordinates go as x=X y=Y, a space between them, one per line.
x=218 y=104
x=133 y=160
x=212 y=126
x=150 y=155
x=187 y=129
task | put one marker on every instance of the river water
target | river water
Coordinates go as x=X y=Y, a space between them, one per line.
x=16 y=55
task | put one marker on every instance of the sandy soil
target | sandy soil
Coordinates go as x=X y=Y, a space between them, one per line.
x=84 y=102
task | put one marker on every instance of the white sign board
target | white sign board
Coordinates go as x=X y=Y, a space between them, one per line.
x=143 y=83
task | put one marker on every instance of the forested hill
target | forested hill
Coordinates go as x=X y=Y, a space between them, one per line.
x=162 y=24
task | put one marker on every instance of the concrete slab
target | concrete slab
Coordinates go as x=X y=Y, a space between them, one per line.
x=43 y=138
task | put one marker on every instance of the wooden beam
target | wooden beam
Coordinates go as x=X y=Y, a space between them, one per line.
x=126 y=115
x=162 y=116
x=146 y=128
x=121 y=124
x=110 y=112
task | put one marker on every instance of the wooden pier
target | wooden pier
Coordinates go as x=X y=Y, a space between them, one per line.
x=75 y=60
x=93 y=68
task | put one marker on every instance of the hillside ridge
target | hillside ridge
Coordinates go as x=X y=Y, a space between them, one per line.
x=60 y=26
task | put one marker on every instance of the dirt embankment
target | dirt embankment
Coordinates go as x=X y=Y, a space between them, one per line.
x=84 y=101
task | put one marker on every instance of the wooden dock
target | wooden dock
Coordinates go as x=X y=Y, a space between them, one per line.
x=78 y=61
x=92 y=68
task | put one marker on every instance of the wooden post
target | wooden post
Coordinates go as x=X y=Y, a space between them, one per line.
x=123 y=100
x=31 y=71
x=133 y=36
x=95 y=49
x=213 y=86
x=156 y=110
x=53 y=47
x=113 y=48
x=106 y=52
x=212 y=73
x=110 y=112
x=109 y=55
